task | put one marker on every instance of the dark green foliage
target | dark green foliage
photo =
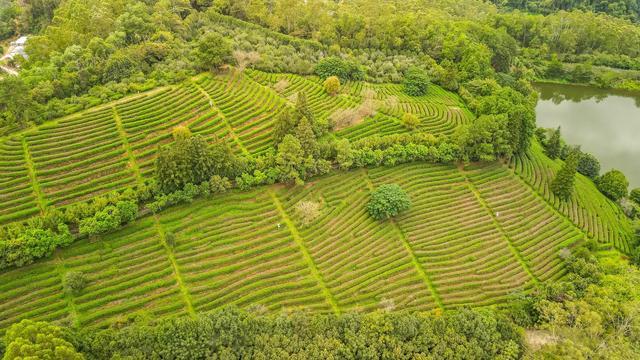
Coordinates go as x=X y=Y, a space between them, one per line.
x=38 y=340
x=588 y=165
x=343 y=69
x=416 y=82
x=553 y=146
x=304 y=134
x=32 y=243
x=291 y=160
x=613 y=184
x=387 y=201
x=212 y=50
x=344 y=155
x=190 y=160
x=485 y=139
x=232 y=334
x=555 y=68
x=283 y=125
x=635 y=196
x=74 y=282
x=563 y=184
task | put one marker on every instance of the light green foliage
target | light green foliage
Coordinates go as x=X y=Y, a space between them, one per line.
x=32 y=243
x=613 y=184
x=74 y=281
x=38 y=340
x=410 y=121
x=181 y=133
x=283 y=125
x=563 y=184
x=108 y=219
x=416 y=82
x=388 y=201
x=344 y=155
x=332 y=85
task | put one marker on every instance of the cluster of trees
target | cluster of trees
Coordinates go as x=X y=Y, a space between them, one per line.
x=592 y=313
x=626 y=9
x=233 y=334
x=388 y=201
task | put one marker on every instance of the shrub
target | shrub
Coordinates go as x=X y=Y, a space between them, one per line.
x=334 y=66
x=332 y=85
x=416 y=82
x=181 y=133
x=218 y=184
x=31 y=244
x=613 y=184
x=588 y=165
x=109 y=218
x=635 y=195
x=308 y=211
x=388 y=201
x=74 y=282
x=553 y=147
x=410 y=121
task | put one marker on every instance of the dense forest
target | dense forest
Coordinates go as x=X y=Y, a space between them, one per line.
x=84 y=53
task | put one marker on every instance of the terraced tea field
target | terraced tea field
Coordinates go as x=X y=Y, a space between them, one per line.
x=112 y=147
x=596 y=215
x=472 y=237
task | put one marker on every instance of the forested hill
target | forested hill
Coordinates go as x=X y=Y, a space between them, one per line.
x=625 y=9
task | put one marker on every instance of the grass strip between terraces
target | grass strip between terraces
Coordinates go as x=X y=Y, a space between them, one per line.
x=32 y=175
x=127 y=147
x=414 y=259
x=176 y=271
x=516 y=253
x=68 y=296
x=305 y=252
x=232 y=132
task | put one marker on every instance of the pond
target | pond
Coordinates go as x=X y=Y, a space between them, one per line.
x=605 y=123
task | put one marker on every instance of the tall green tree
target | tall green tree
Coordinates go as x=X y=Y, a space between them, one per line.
x=613 y=184
x=563 y=184
x=212 y=51
x=554 y=144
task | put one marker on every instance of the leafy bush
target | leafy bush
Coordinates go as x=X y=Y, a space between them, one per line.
x=613 y=184
x=416 y=82
x=410 y=121
x=31 y=244
x=332 y=85
x=343 y=69
x=588 y=165
x=108 y=219
x=38 y=340
x=388 y=201
x=74 y=282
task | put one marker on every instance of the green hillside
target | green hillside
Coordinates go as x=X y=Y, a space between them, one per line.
x=473 y=236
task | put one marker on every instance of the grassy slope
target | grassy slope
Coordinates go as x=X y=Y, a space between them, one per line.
x=472 y=237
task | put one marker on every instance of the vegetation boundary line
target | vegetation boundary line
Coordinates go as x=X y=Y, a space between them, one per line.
x=549 y=205
x=414 y=259
x=305 y=252
x=186 y=297
x=127 y=147
x=32 y=175
x=68 y=297
x=232 y=132
x=471 y=186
